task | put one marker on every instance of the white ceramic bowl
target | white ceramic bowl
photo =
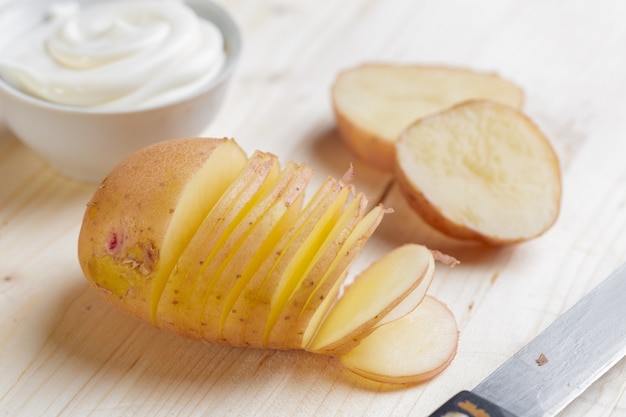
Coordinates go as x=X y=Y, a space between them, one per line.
x=86 y=144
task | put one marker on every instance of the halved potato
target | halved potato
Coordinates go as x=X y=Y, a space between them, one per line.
x=480 y=171
x=373 y=103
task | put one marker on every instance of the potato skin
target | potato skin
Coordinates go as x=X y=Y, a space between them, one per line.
x=126 y=219
x=367 y=146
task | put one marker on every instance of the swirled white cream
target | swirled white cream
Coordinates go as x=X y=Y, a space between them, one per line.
x=120 y=55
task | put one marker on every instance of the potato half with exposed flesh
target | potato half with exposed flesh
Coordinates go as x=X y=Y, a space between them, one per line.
x=373 y=103
x=195 y=238
x=480 y=171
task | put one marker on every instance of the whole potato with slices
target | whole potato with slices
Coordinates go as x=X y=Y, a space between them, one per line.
x=195 y=237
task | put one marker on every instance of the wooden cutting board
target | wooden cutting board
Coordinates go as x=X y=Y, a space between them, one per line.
x=64 y=352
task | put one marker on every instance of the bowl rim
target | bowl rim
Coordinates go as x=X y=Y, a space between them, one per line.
x=232 y=46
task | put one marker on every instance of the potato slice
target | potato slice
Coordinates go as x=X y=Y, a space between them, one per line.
x=373 y=294
x=196 y=200
x=246 y=320
x=292 y=269
x=412 y=349
x=480 y=171
x=312 y=273
x=414 y=299
x=373 y=103
x=255 y=235
x=175 y=312
x=325 y=293
x=264 y=179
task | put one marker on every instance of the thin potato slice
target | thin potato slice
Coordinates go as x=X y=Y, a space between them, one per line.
x=373 y=294
x=255 y=235
x=412 y=349
x=313 y=272
x=174 y=310
x=197 y=199
x=373 y=103
x=325 y=293
x=246 y=320
x=292 y=269
x=480 y=171
x=264 y=181
x=412 y=300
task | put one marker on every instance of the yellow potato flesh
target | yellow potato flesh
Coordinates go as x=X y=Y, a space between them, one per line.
x=317 y=266
x=307 y=246
x=325 y=293
x=373 y=294
x=480 y=171
x=262 y=180
x=260 y=197
x=197 y=199
x=235 y=326
x=175 y=312
x=373 y=103
x=411 y=301
x=412 y=349
x=245 y=323
x=256 y=234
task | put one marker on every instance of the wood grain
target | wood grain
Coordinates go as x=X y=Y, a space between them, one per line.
x=64 y=352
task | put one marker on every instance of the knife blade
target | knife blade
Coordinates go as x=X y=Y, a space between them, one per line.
x=558 y=365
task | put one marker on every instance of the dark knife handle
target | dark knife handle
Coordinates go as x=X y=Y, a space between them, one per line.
x=467 y=404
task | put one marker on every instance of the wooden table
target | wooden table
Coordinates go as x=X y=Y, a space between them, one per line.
x=64 y=352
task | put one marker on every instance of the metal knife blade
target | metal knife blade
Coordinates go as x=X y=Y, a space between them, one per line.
x=559 y=364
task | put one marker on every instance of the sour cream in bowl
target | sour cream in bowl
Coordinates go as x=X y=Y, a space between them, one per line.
x=86 y=83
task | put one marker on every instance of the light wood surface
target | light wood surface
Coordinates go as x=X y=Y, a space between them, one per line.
x=64 y=352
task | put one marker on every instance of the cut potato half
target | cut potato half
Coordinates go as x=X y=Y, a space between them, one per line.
x=480 y=171
x=373 y=294
x=373 y=103
x=412 y=349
